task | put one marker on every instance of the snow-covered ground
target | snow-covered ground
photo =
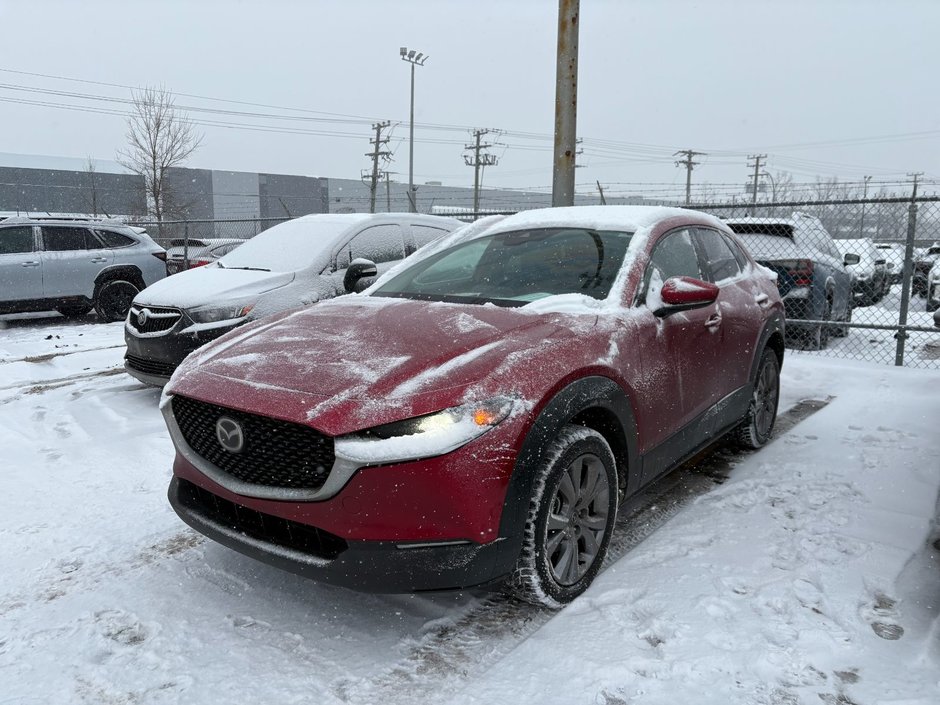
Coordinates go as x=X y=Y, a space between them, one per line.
x=807 y=572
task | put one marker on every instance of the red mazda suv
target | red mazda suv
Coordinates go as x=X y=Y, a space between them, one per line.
x=480 y=413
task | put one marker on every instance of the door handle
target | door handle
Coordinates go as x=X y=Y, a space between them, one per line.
x=713 y=321
x=29 y=263
x=762 y=300
x=99 y=260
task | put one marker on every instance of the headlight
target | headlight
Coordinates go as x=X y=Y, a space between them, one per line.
x=220 y=313
x=424 y=436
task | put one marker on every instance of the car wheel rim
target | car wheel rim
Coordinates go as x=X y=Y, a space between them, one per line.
x=765 y=400
x=577 y=520
x=118 y=299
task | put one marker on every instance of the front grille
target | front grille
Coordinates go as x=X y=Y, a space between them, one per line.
x=267 y=528
x=150 y=367
x=275 y=454
x=157 y=318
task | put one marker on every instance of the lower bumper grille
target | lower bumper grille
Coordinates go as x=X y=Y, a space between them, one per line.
x=258 y=525
x=150 y=367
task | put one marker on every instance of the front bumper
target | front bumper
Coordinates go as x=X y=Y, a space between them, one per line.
x=367 y=566
x=152 y=359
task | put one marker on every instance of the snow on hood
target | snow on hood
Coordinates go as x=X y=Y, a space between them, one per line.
x=372 y=349
x=210 y=284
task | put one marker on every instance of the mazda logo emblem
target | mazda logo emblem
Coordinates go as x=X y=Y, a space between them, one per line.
x=142 y=316
x=230 y=434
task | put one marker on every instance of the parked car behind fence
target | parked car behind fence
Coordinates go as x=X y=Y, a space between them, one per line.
x=871 y=282
x=189 y=253
x=812 y=275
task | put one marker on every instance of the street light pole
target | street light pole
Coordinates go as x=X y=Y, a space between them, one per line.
x=415 y=59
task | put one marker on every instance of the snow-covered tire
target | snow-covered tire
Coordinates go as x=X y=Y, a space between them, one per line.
x=843 y=331
x=113 y=299
x=571 y=517
x=758 y=423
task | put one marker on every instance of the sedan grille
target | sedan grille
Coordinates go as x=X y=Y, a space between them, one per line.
x=275 y=453
x=153 y=319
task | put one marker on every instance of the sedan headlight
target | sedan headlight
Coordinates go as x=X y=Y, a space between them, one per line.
x=213 y=314
x=424 y=436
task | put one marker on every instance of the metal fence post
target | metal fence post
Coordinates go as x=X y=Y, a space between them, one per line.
x=906 y=281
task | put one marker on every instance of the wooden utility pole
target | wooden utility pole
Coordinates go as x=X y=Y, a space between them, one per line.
x=478 y=161
x=689 y=165
x=600 y=190
x=566 y=103
x=376 y=153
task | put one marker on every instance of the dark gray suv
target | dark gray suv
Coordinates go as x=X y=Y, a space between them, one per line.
x=71 y=266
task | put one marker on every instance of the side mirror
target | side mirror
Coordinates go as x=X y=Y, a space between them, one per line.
x=357 y=270
x=851 y=258
x=685 y=294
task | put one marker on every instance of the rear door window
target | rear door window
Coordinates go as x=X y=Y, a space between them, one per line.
x=719 y=261
x=16 y=240
x=65 y=239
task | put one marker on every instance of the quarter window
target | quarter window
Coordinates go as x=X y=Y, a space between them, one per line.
x=16 y=240
x=113 y=239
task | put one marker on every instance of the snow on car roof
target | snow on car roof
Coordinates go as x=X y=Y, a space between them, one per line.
x=621 y=218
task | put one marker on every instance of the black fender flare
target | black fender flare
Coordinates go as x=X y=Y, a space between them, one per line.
x=127 y=272
x=597 y=394
x=776 y=324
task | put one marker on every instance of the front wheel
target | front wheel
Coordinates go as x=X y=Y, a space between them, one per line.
x=113 y=300
x=571 y=518
x=758 y=422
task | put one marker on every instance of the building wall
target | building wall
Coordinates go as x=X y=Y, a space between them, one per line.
x=287 y=196
x=63 y=191
x=235 y=195
x=189 y=194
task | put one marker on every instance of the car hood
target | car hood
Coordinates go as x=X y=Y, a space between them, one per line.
x=358 y=361
x=207 y=285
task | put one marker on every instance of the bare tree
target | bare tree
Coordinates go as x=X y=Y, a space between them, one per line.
x=159 y=137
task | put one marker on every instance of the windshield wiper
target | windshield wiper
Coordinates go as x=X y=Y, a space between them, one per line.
x=251 y=269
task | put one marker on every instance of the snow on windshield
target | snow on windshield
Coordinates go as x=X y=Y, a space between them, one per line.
x=290 y=246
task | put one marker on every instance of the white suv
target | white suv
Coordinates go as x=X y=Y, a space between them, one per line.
x=71 y=266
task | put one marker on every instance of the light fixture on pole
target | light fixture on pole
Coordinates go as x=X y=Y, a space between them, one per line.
x=415 y=58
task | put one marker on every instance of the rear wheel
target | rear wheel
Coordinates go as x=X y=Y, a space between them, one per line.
x=758 y=423
x=571 y=517
x=113 y=299
x=843 y=331
x=817 y=337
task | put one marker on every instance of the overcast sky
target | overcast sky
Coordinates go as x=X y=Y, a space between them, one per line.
x=829 y=87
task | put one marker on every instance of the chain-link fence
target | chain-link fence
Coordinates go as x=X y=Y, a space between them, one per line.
x=177 y=233
x=856 y=276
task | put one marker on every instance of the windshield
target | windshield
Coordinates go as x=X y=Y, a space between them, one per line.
x=514 y=268
x=287 y=247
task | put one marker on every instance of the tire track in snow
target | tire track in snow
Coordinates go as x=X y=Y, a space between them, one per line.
x=453 y=654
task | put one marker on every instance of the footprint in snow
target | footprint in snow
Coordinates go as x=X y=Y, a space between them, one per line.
x=881 y=613
x=121 y=627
